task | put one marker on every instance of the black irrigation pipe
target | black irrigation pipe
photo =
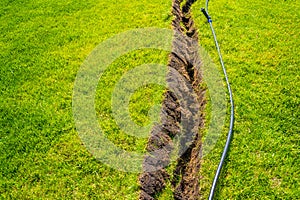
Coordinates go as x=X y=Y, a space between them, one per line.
x=230 y=132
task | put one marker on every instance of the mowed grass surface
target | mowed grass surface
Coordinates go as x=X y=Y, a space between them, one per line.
x=43 y=44
x=260 y=45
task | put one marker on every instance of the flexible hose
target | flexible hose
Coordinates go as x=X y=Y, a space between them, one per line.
x=230 y=131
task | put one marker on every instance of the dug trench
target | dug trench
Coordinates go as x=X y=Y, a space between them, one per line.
x=181 y=117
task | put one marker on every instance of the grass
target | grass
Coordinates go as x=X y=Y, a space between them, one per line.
x=42 y=45
x=259 y=43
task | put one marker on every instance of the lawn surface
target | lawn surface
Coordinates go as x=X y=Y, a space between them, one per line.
x=44 y=42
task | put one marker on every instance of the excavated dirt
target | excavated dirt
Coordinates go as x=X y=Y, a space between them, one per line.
x=175 y=112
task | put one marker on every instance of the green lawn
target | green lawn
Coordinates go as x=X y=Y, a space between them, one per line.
x=44 y=42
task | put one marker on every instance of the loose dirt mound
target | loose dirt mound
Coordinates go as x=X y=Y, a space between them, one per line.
x=175 y=112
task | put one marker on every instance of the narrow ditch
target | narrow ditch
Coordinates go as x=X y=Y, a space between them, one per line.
x=181 y=117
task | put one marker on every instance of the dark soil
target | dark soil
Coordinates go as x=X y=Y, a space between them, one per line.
x=180 y=117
